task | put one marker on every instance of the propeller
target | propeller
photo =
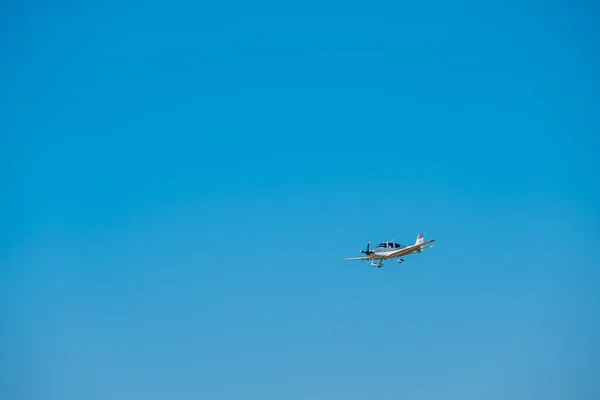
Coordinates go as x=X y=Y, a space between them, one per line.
x=367 y=251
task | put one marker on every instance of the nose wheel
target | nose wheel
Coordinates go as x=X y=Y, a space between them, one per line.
x=400 y=261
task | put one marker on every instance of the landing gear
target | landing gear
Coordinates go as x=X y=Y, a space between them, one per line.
x=400 y=261
x=379 y=265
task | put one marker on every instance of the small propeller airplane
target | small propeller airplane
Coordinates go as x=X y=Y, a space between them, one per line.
x=387 y=250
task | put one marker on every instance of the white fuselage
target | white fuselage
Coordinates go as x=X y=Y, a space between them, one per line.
x=382 y=252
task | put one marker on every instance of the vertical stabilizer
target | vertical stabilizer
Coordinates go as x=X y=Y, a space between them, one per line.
x=419 y=239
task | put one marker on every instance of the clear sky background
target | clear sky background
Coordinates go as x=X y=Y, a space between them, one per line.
x=180 y=181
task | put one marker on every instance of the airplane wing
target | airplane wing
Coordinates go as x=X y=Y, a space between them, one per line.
x=408 y=250
x=356 y=258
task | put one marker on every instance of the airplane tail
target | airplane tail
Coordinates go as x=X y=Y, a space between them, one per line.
x=419 y=239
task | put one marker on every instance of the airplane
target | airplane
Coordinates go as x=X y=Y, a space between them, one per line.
x=387 y=250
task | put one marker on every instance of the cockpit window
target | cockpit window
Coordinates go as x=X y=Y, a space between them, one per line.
x=390 y=245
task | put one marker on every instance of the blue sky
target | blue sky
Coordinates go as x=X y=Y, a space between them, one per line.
x=181 y=182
